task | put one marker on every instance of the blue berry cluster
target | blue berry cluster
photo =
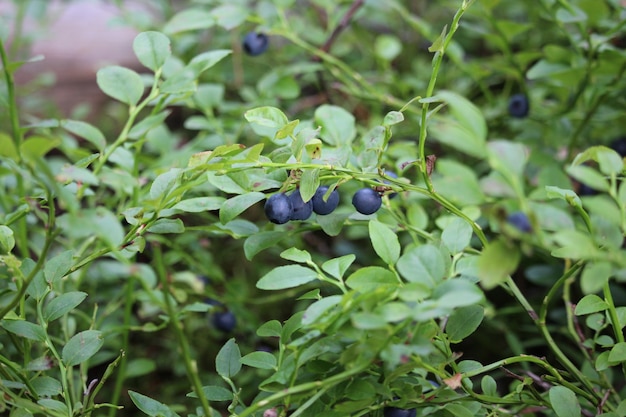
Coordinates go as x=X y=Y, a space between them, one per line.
x=281 y=208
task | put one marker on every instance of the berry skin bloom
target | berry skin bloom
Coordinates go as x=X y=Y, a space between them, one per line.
x=278 y=208
x=300 y=210
x=255 y=43
x=366 y=201
x=520 y=221
x=325 y=207
x=519 y=105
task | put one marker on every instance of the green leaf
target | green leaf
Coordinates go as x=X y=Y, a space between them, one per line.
x=214 y=393
x=271 y=328
x=228 y=360
x=62 y=305
x=24 y=329
x=393 y=118
x=463 y=322
x=56 y=267
x=338 y=125
x=371 y=278
x=618 y=353
x=86 y=131
x=309 y=181
x=7 y=147
x=497 y=261
x=337 y=267
x=466 y=113
x=457 y=235
x=46 y=386
x=260 y=360
x=609 y=161
x=236 y=205
x=296 y=255
x=489 y=386
x=206 y=60
x=81 y=347
x=266 y=121
x=120 y=83
x=423 y=264
x=164 y=226
x=147 y=124
x=230 y=16
x=37 y=146
x=564 y=402
x=151 y=407
x=590 y=303
x=318 y=308
x=508 y=158
x=261 y=241
x=199 y=204
x=588 y=176
x=164 y=183
x=189 y=19
x=595 y=276
x=575 y=245
x=152 y=49
x=385 y=242
x=387 y=47
x=7 y=240
x=288 y=276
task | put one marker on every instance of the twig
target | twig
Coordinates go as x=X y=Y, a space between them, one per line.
x=343 y=24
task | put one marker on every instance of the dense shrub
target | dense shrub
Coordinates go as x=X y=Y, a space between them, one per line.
x=152 y=262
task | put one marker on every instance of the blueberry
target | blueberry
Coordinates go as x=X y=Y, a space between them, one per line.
x=519 y=105
x=325 y=207
x=399 y=412
x=278 y=208
x=619 y=146
x=366 y=201
x=224 y=321
x=300 y=209
x=520 y=220
x=392 y=175
x=255 y=43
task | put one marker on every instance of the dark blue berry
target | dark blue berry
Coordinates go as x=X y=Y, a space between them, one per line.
x=519 y=105
x=255 y=43
x=300 y=209
x=520 y=220
x=278 y=208
x=224 y=321
x=399 y=412
x=325 y=207
x=366 y=201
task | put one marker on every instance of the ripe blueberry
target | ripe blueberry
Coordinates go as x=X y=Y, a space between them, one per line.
x=325 y=207
x=366 y=201
x=224 y=321
x=278 y=208
x=519 y=105
x=255 y=43
x=300 y=209
x=399 y=412
x=520 y=220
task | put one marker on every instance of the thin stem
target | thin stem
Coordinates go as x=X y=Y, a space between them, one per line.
x=121 y=375
x=190 y=364
x=13 y=112
x=343 y=24
x=437 y=60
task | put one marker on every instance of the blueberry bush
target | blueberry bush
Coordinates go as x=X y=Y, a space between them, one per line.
x=338 y=208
